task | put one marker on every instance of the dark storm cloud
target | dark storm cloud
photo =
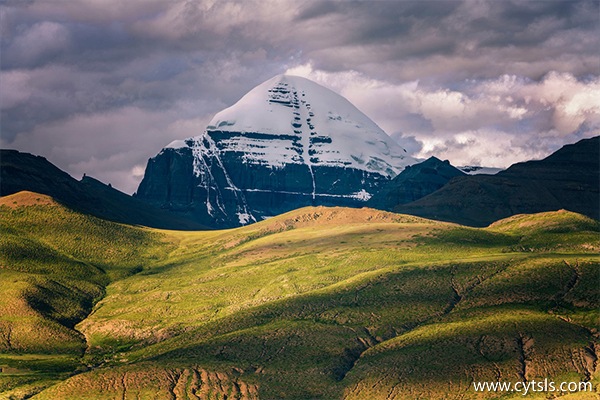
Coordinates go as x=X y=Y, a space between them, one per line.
x=317 y=9
x=468 y=35
x=100 y=86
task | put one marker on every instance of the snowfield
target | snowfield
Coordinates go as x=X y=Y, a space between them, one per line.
x=302 y=122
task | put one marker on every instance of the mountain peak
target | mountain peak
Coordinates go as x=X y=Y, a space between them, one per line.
x=287 y=143
x=302 y=122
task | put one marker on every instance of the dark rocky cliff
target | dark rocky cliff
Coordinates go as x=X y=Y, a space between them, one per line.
x=220 y=189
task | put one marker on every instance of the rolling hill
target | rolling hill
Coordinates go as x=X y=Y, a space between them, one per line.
x=315 y=303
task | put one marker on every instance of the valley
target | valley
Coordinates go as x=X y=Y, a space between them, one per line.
x=320 y=302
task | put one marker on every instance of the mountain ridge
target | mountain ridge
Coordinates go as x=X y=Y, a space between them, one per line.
x=415 y=182
x=567 y=179
x=23 y=171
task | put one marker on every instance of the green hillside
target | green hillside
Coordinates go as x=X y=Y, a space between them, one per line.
x=316 y=303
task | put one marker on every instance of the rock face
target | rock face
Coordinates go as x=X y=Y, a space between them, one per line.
x=414 y=182
x=567 y=179
x=288 y=143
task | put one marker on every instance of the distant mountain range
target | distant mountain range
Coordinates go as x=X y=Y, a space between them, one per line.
x=290 y=143
x=567 y=179
x=27 y=172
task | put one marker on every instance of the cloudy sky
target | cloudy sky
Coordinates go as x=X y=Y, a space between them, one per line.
x=100 y=86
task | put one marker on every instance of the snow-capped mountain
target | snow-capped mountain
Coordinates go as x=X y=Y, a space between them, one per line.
x=287 y=143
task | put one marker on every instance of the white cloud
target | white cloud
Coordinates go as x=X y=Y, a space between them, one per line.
x=495 y=122
x=571 y=102
x=138 y=171
x=485 y=147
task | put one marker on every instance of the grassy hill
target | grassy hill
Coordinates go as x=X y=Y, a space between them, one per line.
x=54 y=265
x=316 y=303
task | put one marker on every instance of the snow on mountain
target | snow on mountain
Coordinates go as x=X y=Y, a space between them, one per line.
x=300 y=121
x=287 y=143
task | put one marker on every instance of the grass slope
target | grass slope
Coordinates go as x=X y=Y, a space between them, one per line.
x=317 y=303
x=54 y=265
